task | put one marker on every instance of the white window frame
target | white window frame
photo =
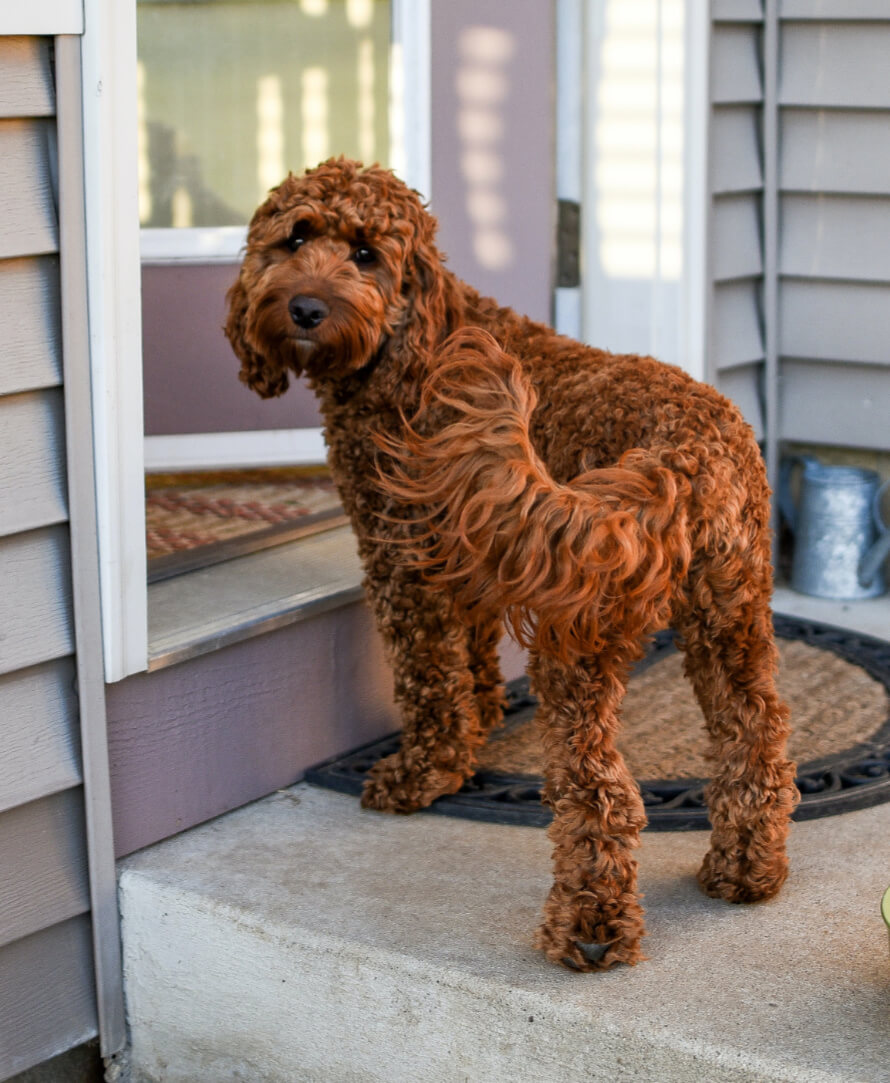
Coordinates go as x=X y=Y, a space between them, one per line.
x=206 y=244
x=114 y=252
x=48 y=17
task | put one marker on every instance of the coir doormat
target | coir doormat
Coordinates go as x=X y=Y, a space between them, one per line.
x=836 y=682
x=199 y=519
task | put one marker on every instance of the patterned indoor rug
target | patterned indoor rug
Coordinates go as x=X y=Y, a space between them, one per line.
x=198 y=519
x=837 y=684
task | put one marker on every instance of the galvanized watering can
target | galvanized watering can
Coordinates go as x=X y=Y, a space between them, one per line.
x=840 y=538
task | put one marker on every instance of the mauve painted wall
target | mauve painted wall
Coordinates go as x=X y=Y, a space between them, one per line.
x=195 y=740
x=189 y=371
x=200 y=738
x=493 y=146
x=493 y=193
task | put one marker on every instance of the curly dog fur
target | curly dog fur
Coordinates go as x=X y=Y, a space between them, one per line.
x=498 y=473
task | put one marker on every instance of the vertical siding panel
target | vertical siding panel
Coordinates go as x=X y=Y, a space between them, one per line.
x=26 y=197
x=47 y=995
x=736 y=149
x=834 y=293
x=26 y=89
x=736 y=53
x=836 y=237
x=836 y=64
x=29 y=316
x=32 y=461
x=736 y=236
x=43 y=857
x=35 y=604
x=736 y=181
x=835 y=150
x=42 y=757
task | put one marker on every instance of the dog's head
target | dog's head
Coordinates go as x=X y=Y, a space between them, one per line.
x=340 y=265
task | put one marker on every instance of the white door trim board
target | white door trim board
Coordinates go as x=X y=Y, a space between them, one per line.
x=234 y=450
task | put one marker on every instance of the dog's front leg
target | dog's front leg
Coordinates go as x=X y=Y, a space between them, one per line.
x=592 y=917
x=445 y=686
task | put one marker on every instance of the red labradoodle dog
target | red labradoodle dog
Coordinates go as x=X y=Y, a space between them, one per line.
x=496 y=472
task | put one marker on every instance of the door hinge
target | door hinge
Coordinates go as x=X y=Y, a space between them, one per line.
x=568 y=243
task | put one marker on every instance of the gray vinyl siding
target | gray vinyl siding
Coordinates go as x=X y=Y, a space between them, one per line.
x=47 y=996
x=799 y=224
x=735 y=353
x=26 y=89
x=32 y=461
x=52 y=884
x=43 y=757
x=48 y=1000
x=30 y=318
x=26 y=195
x=834 y=204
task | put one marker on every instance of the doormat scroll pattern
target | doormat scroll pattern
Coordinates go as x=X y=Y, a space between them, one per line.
x=855 y=777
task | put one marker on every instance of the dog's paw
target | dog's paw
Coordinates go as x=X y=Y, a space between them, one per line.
x=741 y=878
x=577 y=935
x=589 y=957
x=391 y=786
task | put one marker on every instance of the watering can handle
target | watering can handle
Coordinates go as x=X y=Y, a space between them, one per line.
x=875 y=557
x=786 y=501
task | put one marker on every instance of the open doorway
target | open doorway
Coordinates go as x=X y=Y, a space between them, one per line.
x=232 y=96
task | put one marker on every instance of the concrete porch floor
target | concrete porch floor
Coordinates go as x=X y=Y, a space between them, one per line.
x=300 y=938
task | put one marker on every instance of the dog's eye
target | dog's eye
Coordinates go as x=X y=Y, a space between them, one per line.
x=364 y=255
x=298 y=236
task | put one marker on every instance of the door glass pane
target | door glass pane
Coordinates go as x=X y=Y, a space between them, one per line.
x=234 y=94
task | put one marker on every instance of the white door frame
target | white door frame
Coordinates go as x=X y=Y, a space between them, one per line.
x=108 y=51
x=114 y=287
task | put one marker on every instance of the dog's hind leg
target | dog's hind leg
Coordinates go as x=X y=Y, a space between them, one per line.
x=447 y=687
x=487 y=676
x=592 y=918
x=731 y=660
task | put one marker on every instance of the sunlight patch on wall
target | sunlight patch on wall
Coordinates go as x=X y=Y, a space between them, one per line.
x=397 y=109
x=142 y=146
x=181 y=204
x=314 y=105
x=635 y=184
x=638 y=140
x=365 y=104
x=270 y=132
x=482 y=82
x=360 y=13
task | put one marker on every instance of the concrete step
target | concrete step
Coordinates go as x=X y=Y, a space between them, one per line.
x=300 y=938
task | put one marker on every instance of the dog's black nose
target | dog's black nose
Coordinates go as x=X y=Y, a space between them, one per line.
x=307 y=312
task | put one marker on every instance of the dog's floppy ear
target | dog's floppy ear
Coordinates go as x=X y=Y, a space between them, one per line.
x=435 y=304
x=267 y=376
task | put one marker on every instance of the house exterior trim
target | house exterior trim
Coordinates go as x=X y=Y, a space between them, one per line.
x=43 y=17
x=84 y=553
x=114 y=299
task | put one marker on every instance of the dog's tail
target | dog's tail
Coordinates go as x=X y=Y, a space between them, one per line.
x=563 y=562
